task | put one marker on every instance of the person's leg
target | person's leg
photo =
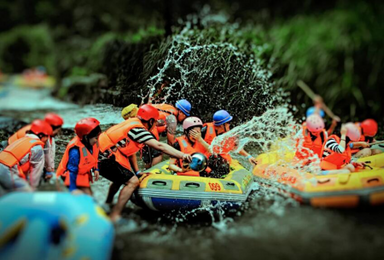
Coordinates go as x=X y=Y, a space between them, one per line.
x=124 y=197
x=349 y=167
x=86 y=190
x=113 y=189
x=157 y=159
x=364 y=153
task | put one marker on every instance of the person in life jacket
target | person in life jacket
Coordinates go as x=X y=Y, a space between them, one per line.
x=219 y=126
x=191 y=142
x=336 y=152
x=129 y=111
x=314 y=137
x=368 y=129
x=119 y=144
x=56 y=122
x=317 y=109
x=80 y=158
x=169 y=116
x=173 y=115
x=22 y=162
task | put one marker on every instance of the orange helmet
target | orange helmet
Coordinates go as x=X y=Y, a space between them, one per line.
x=85 y=126
x=369 y=127
x=147 y=112
x=40 y=126
x=54 y=119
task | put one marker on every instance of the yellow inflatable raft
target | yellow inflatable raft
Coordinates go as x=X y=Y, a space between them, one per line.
x=363 y=187
x=161 y=191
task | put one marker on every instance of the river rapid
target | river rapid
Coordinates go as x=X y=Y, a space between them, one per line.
x=268 y=227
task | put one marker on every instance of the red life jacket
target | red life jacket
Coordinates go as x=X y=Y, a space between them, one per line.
x=316 y=145
x=88 y=161
x=187 y=148
x=16 y=151
x=338 y=160
x=19 y=134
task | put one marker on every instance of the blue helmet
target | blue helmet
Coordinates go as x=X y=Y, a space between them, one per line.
x=184 y=106
x=311 y=110
x=221 y=117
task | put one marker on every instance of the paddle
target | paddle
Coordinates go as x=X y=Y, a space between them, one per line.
x=377 y=142
x=312 y=95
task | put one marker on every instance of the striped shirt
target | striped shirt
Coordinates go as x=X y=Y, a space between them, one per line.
x=334 y=146
x=140 y=135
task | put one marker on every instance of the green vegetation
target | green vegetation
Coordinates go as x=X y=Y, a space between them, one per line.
x=335 y=50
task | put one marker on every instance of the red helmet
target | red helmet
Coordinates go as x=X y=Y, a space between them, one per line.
x=54 y=119
x=147 y=112
x=369 y=127
x=39 y=126
x=85 y=126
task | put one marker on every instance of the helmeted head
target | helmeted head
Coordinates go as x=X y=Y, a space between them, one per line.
x=55 y=121
x=190 y=123
x=88 y=129
x=199 y=162
x=311 y=111
x=369 y=127
x=315 y=123
x=129 y=111
x=184 y=106
x=353 y=132
x=147 y=112
x=41 y=128
x=221 y=117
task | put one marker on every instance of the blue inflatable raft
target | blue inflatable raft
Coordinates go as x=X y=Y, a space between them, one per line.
x=52 y=225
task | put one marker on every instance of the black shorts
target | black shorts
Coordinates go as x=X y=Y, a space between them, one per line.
x=149 y=153
x=113 y=171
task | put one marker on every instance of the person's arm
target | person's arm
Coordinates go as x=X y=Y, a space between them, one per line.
x=333 y=125
x=73 y=167
x=360 y=144
x=37 y=165
x=165 y=148
x=173 y=165
x=250 y=158
x=199 y=138
x=343 y=133
x=171 y=123
x=133 y=161
x=49 y=154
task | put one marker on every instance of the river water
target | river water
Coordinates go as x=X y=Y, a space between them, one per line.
x=268 y=227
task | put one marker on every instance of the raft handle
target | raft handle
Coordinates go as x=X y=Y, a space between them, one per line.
x=323 y=181
x=230 y=184
x=373 y=180
x=192 y=185
x=159 y=183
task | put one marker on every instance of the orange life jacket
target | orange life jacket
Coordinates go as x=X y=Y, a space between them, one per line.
x=88 y=161
x=210 y=134
x=166 y=109
x=316 y=145
x=16 y=151
x=119 y=133
x=334 y=158
x=187 y=148
x=19 y=134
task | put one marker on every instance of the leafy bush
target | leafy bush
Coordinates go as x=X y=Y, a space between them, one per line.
x=27 y=46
